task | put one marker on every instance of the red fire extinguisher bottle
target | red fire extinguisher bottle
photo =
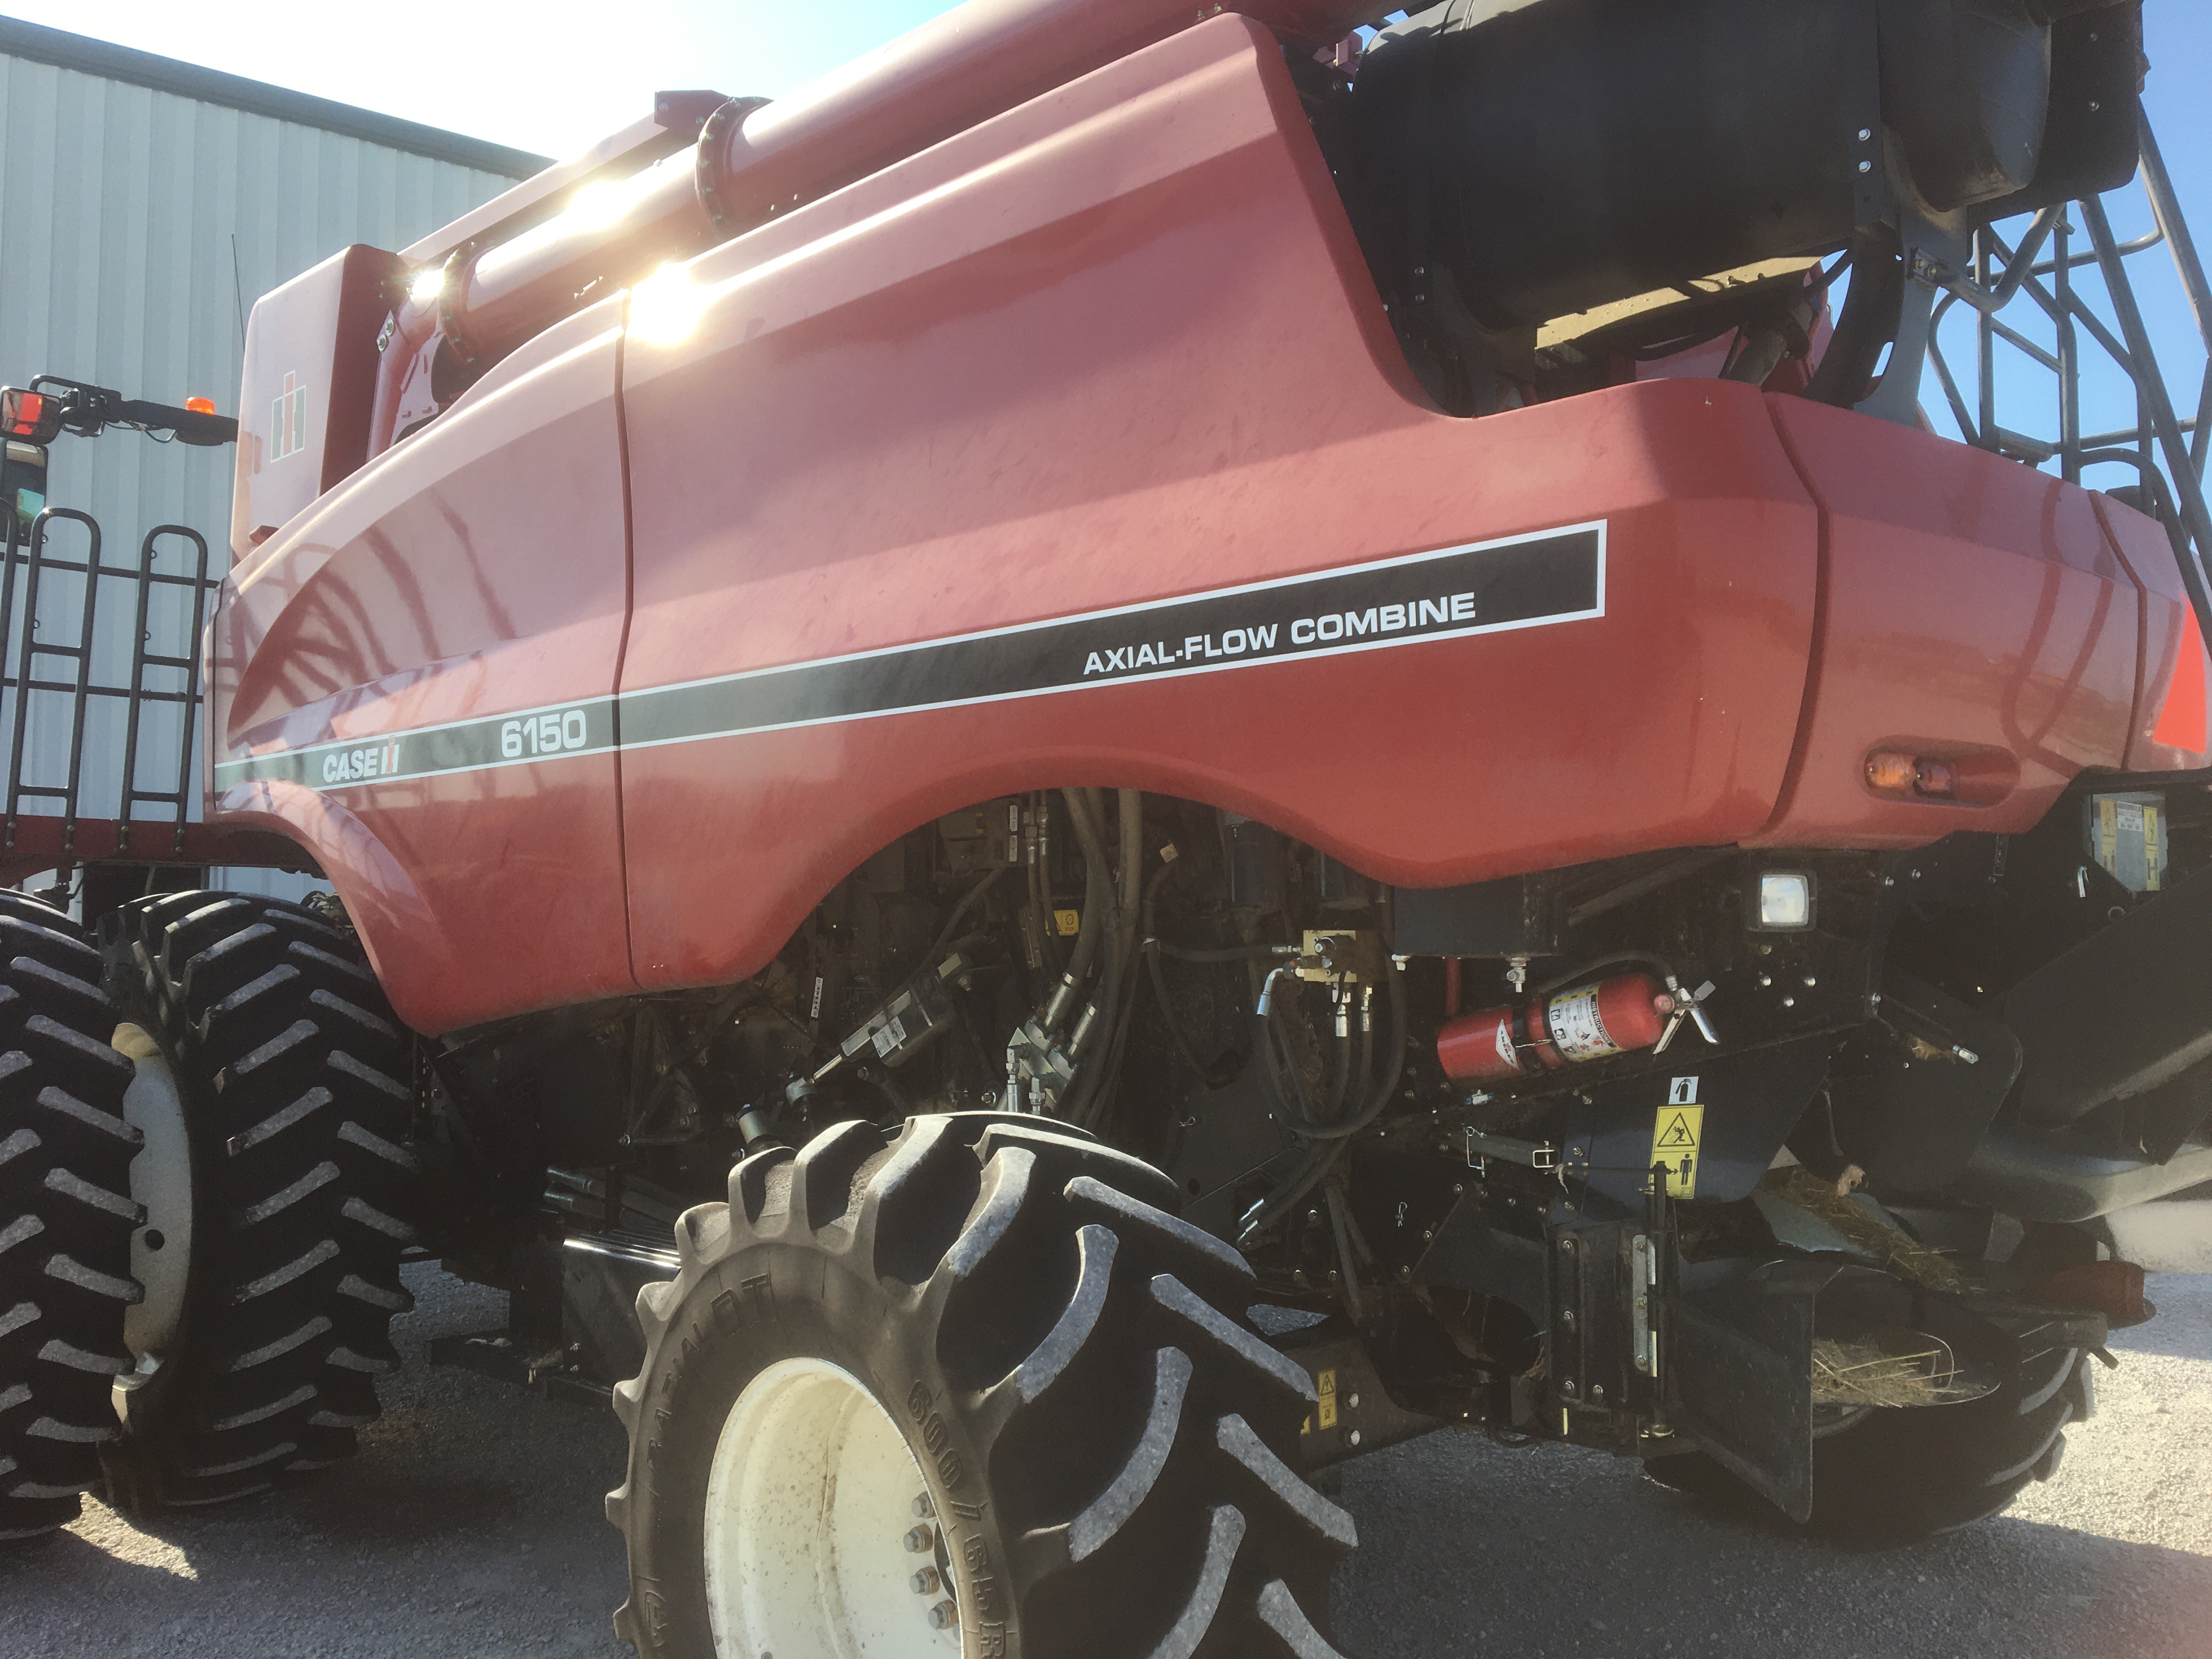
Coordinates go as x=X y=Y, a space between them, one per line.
x=1595 y=1022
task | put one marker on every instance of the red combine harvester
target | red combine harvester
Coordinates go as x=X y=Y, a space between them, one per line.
x=1273 y=726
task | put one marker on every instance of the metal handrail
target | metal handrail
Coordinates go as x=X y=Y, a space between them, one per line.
x=26 y=680
x=2168 y=451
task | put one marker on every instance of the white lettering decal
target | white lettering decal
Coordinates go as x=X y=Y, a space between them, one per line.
x=1462 y=607
x=1306 y=638
x=1330 y=627
x=1092 y=665
x=1393 y=618
x=1263 y=639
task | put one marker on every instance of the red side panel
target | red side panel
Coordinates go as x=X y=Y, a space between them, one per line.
x=1974 y=611
x=2168 y=734
x=477 y=570
x=1125 y=349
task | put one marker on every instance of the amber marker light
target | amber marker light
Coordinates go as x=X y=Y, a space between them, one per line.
x=1918 y=777
x=199 y=405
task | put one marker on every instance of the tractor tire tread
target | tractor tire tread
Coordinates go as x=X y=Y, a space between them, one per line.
x=66 y=1217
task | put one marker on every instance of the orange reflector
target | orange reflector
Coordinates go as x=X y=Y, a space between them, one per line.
x=21 y=412
x=200 y=406
x=1888 y=772
x=2181 y=722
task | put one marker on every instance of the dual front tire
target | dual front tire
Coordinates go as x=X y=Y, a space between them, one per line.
x=66 y=1218
x=271 y=1063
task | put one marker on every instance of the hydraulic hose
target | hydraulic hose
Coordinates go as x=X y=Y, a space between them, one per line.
x=1231 y=953
x=968 y=900
x=1098 y=904
x=1210 y=1075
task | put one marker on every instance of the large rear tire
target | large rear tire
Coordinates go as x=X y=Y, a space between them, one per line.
x=1896 y=1474
x=291 y=1079
x=66 y=1218
x=975 y=1390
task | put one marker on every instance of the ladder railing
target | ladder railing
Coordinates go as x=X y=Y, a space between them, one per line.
x=2166 y=450
x=31 y=677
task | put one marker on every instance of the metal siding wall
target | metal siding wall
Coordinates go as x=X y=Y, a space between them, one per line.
x=137 y=229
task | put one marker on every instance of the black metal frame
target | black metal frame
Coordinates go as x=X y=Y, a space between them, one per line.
x=36 y=563
x=2175 y=492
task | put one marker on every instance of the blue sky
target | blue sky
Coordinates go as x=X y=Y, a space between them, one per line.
x=570 y=73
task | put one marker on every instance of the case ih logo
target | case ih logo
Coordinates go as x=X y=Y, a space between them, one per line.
x=1484 y=587
x=288 y=424
x=352 y=765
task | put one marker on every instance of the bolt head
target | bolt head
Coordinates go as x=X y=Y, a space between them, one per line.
x=920 y=1540
x=1597 y=1391
x=923 y=1507
x=1353 y=1437
x=1352 y=1402
x=925 y=1581
x=944 y=1616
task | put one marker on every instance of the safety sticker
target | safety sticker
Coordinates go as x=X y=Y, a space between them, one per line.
x=1676 y=1137
x=1325 y=1386
x=1577 y=1029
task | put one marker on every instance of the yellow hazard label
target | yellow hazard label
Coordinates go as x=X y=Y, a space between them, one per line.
x=1325 y=1386
x=1676 y=1135
x=1066 y=922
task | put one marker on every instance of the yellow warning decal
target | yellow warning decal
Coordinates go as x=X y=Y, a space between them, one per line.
x=1677 y=1135
x=1325 y=1386
x=1066 y=923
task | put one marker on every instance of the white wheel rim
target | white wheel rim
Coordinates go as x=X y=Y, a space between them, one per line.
x=161 y=1180
x=811 y=1537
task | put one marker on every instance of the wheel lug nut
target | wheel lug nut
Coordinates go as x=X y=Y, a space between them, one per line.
x=923 y=1507
x=925 y=1582
x=920 y=1540
x=944 y=1616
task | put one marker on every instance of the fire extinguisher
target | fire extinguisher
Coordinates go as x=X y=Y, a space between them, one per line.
x=1612 y=1016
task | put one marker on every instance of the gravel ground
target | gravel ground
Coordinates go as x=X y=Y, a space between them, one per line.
x=471 y=1525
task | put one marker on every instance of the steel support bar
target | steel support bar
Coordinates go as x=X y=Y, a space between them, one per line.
x=2151 y=386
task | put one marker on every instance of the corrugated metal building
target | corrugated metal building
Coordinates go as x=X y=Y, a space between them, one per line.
x=144 y=205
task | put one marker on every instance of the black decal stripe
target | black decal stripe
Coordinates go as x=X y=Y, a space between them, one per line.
x=1555 y=577
x=434 y=750
x=1525 y=582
